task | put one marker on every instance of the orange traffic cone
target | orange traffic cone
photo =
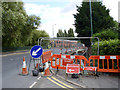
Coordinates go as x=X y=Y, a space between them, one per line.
x=37 y=64
x=47 y=71
x=24 y=68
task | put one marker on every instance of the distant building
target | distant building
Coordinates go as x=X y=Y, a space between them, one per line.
x=64 y=43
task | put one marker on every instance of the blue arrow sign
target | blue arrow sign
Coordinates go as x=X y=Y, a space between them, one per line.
x=36 y=51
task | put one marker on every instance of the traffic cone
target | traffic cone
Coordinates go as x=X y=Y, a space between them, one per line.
x=47 y=71
x=24 y=68
x=37 y=65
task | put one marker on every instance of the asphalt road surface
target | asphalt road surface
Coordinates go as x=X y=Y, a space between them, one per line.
x=11 y=68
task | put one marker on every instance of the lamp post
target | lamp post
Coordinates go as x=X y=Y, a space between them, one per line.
x=91 y=18
x=91 y=21
x=53 y=29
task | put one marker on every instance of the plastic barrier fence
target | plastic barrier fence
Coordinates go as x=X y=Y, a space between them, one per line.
x=46 y=56
x=105 y=63
x=57 y=61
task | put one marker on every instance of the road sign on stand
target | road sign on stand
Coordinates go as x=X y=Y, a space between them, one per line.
x=73 y=69
x=36 y=51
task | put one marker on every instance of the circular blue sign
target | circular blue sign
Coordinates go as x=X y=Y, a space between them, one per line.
x=36 y=51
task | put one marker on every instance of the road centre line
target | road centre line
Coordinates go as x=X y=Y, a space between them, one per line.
x=55 y=82
x=32 y=85
x=62 y=82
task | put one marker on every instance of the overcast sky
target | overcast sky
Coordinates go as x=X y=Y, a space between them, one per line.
x=59 y=14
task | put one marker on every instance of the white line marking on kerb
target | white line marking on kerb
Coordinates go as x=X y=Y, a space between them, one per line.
x=32 y=84
x=39 y=77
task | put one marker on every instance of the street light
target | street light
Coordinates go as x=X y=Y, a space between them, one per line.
x=91 y=21
x=53 y=29
x=91 y=18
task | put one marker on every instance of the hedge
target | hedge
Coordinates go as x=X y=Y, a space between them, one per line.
x=107 y=47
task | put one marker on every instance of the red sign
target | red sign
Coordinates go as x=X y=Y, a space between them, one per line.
x=73 y=68
x=90 y=68
x=67 y=61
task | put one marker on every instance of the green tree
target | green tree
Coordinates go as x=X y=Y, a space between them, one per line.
x=37 y=34
x=70 y=33
x=100 y=17
x=17 y=26
x=60 y=33
x=65 y=33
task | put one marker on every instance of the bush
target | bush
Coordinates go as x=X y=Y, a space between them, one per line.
x=107 y=34
x=110 y=47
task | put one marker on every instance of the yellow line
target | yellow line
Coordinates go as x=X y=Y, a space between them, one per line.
x=62 y=82
x=56 y=82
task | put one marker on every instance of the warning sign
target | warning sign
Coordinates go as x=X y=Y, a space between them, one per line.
x=90 y=68
x=67 y=61
x=73 y=69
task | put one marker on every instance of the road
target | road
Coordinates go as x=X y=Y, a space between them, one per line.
x=12 y=65
x=11 y=68
x=52 y=82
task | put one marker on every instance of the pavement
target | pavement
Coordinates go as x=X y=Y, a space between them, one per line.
x=90 y=81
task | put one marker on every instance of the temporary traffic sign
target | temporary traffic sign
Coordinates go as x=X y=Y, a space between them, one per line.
x=67 y=61
x=90 y=68
x=73 y=68
x=36 y=51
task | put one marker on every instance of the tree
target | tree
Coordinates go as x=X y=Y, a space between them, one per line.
x=37 y=34
x=65 y=33
x=100 y=17
x=17 y=26
x=70 y=33
x=60 y=33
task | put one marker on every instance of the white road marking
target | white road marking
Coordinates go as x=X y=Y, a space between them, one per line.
x=32 y=84
x=39 y=77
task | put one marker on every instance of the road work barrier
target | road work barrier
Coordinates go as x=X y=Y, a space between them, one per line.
x=102 y=63
x=105 y=63
x=57 y=61
x=46 y=56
